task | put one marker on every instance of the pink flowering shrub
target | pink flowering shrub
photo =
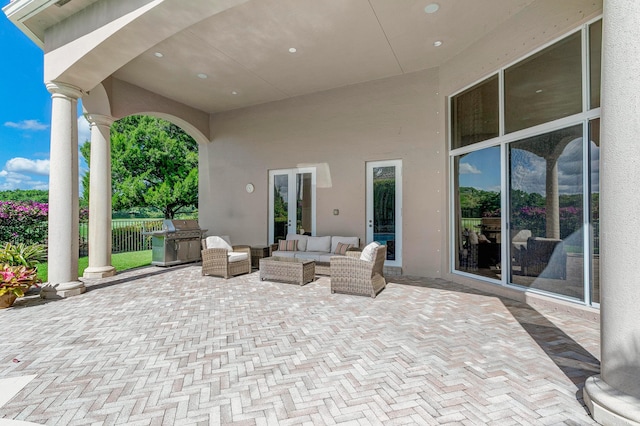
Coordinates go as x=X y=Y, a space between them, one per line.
x=23 y=222
x=17 y=279
x=535 y=219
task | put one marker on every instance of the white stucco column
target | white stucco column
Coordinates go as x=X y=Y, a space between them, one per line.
x=63 y=194
x=613 y=397
x=100 y=198
x=553 y=200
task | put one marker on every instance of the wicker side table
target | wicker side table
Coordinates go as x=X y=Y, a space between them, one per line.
x=287 y=269
x=257 y=253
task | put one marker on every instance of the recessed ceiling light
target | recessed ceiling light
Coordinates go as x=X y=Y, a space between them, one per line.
x=292 y=50
x=431 y=8
x=202 y=76
x=437 y=43
x=158 y=55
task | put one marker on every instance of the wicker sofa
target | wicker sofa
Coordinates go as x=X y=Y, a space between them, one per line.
x=360 y=274
x=320 y=249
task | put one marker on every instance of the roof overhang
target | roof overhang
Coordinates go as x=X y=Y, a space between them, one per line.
x=33 y=17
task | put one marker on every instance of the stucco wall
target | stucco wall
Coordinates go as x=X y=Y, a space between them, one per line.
x=341 y=129
x=396 y=118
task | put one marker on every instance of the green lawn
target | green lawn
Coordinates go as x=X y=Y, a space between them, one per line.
x=121 y=261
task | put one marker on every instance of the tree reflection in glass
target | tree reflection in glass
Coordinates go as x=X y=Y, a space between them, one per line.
x=478 y=222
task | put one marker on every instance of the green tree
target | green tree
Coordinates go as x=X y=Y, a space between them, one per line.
x=153 y=164
x=477 y=202
x=36 y=195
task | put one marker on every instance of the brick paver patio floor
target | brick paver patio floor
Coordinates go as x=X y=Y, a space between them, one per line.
x=166 y=346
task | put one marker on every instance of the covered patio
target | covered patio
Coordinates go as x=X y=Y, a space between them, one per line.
x=168 y=346
x=326 y=93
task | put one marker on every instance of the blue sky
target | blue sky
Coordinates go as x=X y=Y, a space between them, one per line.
x=25 y=112
x=481 y=169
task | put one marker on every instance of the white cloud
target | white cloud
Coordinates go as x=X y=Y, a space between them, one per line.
x=468 y=169
x=27 y=125
x=12 y=180
x=24 y=165
x=528 y=172
x=84 y=130
x=40 y=185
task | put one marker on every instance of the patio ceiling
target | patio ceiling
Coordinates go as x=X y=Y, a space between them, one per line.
x=244 y=51
x=240 y=57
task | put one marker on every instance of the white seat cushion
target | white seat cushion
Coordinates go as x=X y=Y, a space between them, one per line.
x=322 y=244
x=325 y=257
x=312 y=255
x=279 y=253
x=235 y=256
x=218 y=242
x=368 y=251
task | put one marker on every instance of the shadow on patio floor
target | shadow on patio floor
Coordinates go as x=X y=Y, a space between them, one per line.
x=572 y=359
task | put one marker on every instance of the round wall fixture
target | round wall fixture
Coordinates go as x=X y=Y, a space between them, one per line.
x=249 y=188
x=432 y=8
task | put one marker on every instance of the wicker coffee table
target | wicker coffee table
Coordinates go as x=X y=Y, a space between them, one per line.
x=287 y=269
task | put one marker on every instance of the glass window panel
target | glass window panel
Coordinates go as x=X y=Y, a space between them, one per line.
x=384 y=208
x=478 y=222
x=474 y=114
x=303 y=203
x=594 y=157
x=595 y=58
x=544 y=87
x=545 y=212
x=280 y=206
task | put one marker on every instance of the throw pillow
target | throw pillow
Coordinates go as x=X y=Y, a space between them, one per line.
x=288 y=245
x=367 y=252
x=342 y=248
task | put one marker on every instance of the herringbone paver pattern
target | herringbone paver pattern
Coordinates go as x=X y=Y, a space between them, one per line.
x=167 y=346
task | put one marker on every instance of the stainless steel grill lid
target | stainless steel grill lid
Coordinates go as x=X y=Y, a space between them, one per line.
x=178 y=242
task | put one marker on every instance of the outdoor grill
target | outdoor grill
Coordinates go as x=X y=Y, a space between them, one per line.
x=178 y=242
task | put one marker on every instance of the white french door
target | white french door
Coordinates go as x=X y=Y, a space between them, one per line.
x=292 y=202
x=384 y=207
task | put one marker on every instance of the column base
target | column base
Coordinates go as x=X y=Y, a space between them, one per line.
x=62 y=290
x=609 y=406
x=99 y=272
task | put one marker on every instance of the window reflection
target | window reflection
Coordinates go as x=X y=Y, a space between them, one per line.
x=545 y=86
x=475 y=113
x=280 y=206
x=478 y=226
x=594 y=161
x=384 y=208
x=546 y=213
x=595 y=61
x=548 y=201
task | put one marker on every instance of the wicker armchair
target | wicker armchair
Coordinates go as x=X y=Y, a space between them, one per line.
x=225 y=260
x=351 y=275
x=544 y=257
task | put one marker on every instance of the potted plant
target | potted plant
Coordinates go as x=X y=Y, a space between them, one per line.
x=14 y=282
x=18 y=271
